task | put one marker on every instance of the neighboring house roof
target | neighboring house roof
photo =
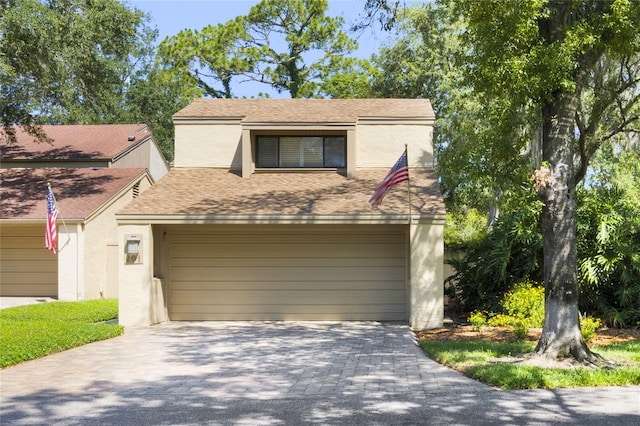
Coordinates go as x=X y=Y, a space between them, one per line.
x=207 y=192
x=307 y=110
x=79 y=192
x=76 y=142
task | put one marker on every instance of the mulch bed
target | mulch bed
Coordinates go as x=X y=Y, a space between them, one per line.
x=455 y=331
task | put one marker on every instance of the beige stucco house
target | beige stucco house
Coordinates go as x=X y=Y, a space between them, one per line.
x=94 y=171
x=86 y=146
x=85 y=266
x=266 y=216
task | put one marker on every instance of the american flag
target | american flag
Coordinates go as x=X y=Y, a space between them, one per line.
x=51 y=233
x=398 y=173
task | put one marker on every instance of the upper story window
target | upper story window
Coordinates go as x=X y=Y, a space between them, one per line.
x=300 y=151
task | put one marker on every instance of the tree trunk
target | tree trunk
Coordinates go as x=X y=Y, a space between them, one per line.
x=561 y=337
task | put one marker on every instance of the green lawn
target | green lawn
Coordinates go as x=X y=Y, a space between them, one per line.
x=33 y=331
x=473 y=359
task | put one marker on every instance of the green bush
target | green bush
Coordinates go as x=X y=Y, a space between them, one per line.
x=478 y=320
x=588 y=327
x=523 y=307
x=511 y=253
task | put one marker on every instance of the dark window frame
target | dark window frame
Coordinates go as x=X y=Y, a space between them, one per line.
x=324 y=150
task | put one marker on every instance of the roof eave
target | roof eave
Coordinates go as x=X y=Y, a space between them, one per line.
x=266 y=219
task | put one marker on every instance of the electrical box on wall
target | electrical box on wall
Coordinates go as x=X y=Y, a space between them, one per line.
x=132 y=249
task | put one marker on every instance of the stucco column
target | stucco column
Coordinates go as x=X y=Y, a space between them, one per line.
x=70 y=262
x=351 y=153
x=247 y=157
x=426 y=286
x=135 y=287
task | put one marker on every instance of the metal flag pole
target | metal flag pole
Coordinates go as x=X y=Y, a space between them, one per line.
x=406 y=156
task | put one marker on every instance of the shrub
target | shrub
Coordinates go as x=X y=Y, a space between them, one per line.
x=523 y=307
x=478 y=320
x=511 y=253
x=588 y=327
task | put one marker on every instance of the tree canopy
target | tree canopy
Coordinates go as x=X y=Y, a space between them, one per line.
x=79 y=62
x=526 y=94
x=291 y=46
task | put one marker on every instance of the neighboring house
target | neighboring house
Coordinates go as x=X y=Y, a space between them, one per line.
x=266 y=216
x=82 y=145
x=86 y=265
x=94 y=170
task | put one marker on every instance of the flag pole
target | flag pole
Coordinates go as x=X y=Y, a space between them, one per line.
x=406 y=154
x=60 y=216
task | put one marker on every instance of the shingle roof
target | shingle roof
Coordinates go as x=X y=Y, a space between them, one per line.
x=79 y=192
x=307 y=110
x=194 y=192
x=100 y=141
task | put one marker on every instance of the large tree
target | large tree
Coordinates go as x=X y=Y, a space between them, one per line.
x=547 y=56
x=65 y=61
x=80 y=62
x=291 y=46
x=558 y=80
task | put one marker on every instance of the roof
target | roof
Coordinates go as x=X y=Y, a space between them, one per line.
x=78 y=192
x=307 y=110
x=75 y=142
x=217 y=192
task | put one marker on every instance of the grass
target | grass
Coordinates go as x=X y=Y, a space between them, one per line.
x=473 y=359
x=34 y=331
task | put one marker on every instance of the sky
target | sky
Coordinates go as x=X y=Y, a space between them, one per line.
x=171 y=16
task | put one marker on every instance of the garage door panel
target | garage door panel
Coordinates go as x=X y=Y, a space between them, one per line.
x=298 y=297
x=278 y=238
x=266 y=272
x=38 y=253
x=183 y=262
x=26 y=267
x=290 y=273
x=278 y=313
x=285 y=250
x=287 y=286
x=19 y=266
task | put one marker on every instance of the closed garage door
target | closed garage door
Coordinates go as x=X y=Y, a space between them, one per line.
x=26 y=267
x=287 y=272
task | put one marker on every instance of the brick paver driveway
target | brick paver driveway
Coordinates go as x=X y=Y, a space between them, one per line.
x=270 y=373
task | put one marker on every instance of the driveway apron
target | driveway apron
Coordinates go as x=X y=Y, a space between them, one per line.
x=265 y=373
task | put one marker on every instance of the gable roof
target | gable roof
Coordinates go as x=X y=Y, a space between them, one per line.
x=220 y=194
x=76 y=142
x=307 y=110
x=79 y=192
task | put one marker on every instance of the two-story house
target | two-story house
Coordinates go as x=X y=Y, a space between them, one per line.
x=265 y=216
x=93 y=170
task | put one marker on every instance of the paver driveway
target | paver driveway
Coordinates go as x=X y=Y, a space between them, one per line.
x=272 y=373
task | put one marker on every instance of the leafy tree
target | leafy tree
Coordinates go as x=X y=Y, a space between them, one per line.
x=289 y=45
x=558 y=80
x=64 y=61
x=72 y=61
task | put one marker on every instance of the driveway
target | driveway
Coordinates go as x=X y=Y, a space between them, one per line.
x=295 y=373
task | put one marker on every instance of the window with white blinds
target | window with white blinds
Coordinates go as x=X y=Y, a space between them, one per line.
x=300 y=152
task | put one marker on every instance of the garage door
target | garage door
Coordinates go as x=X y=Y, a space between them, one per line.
x=26 y=267
x=287 y=272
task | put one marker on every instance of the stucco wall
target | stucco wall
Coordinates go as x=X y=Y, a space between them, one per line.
x=71 y=242
x=380 y=145
x=426 y=299
x=100 y=233
x=208 y=145
x=145 y=155
x=136 y=280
